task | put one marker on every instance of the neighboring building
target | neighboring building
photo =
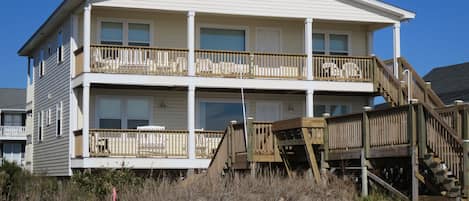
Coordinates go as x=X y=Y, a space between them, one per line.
x=98 y=77
x=13 y=125
x=450 y=82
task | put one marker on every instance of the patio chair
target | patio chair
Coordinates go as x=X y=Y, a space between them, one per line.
x=330 y=69
x=351 y=70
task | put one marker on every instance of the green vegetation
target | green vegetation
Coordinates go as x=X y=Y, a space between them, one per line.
x=16 y=184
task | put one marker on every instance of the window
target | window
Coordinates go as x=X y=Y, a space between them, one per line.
x=12 y=119
x=41 y=63
x=139 y=34
x=319 y=43
x=333 y=110
x=123 y=112
x=125 y=33
x=40 y=129
x=338 y=44
x=59 y=117
x=222 y=39
x=60 y=56
x=109 y=113
x=49 y=117
x=112 y=33
x=217 y=115
x=331 y=44
x=137 y=113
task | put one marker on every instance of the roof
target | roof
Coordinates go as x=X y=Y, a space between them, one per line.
x=450 y=82
x=68 y=6
x=12 y=98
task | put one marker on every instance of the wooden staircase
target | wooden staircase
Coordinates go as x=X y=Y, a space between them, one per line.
x=445 y=142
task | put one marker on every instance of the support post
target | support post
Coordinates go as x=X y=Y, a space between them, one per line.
x=370 y=43
x=326 y=137
x=428 y=87
x=364 y=174
x=87 y=37
x=309 y=103
x=86 y=120
x=309 y=48
x=396 y=47
x=465 y=135
x=191 y=43
x=191 y=120
x=366 y=131
x=411 y=131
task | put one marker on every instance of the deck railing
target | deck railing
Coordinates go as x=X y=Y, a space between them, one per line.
x=343 y=68
x=138 y=60
x=388 y=127
x=150 y=143
x=12 y=131
x=206 y=143
x=345 y=132
x=230 y=64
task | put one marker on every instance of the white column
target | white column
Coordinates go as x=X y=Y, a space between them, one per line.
x=309 y=103
x=309 y=47
x=73 y=119
x=86 y=119
x=191 y=42
x=86 y=37
x=73 y=42
x=191 y=120
x=397 y=46
x=370 y=43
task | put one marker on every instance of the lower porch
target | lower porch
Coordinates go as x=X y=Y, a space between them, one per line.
x=150 y=127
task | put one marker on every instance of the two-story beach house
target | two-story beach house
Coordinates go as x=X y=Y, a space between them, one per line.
x=13 y=131
x=152 y=84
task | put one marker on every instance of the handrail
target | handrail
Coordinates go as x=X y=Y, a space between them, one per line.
x=139 y=47
x=434 y=98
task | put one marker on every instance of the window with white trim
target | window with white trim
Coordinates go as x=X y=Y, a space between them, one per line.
x=60 y=47
x=58 y=118
x=49 y=117
x=41 y=63
x=215 y=115
x=123 y=112
x=332 y=109
x=125 y=33
x=40 y=129
x=331 y=44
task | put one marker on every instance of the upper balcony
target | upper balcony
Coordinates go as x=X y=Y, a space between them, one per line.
x=171 y=43
x=227 y=64
x=13 y=132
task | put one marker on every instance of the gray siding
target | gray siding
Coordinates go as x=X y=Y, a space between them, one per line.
x=51 y=156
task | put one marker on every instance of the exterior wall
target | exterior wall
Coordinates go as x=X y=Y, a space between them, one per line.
x=174 y=114
x=318 y=9
x=51 y=156
x=170 y=30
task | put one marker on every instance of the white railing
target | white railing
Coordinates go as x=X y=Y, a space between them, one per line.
x=13 y=131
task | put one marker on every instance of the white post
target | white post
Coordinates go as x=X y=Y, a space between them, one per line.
x=370 y=43
x=73 y=120
x=191 y=42
x=191 y=120
x=309 y=47
x=309 y=103
x=86 y=37
x=73 y=43
x=86 y=120
x=397 y=46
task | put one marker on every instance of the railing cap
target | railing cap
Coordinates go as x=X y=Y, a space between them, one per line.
x=326 y=114
x=459 y=102
x=367 y=108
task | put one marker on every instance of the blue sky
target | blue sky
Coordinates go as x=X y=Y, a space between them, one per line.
x=437 y=37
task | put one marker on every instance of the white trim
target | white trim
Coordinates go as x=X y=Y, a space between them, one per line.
x=140 y=163
x=124 y=113
x=244 y=28
x=229 y=83
x=404 y=14
x=125 y=28
x=280 y=42
x=328 y=105
x=327 y=34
